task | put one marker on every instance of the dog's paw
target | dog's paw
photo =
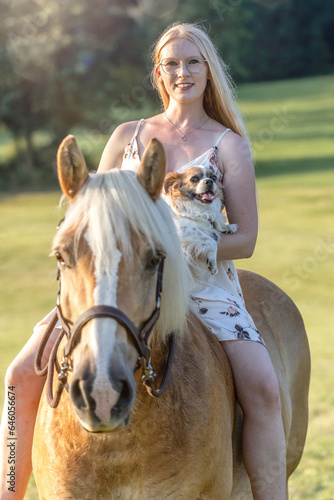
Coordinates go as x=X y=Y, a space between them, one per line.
x=212 y=266
x=231 y=228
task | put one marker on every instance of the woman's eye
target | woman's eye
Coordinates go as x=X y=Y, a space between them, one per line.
x=171 y=63
x=193 y=61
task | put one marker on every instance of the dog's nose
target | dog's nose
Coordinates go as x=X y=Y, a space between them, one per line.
x=208 y=182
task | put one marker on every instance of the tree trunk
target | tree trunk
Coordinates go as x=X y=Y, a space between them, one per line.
x=29 y=150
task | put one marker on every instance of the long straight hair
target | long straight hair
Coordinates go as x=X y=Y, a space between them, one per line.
x=219 y=100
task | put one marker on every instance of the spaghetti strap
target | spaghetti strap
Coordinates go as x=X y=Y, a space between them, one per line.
x=220 y=138
x=137 y=128
x=131 y=160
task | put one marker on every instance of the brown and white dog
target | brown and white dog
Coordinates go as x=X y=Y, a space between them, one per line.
x=196 y=198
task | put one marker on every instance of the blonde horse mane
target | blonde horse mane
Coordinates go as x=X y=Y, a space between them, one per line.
x=113 y=206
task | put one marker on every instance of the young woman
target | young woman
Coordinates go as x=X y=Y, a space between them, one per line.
x=199 y=125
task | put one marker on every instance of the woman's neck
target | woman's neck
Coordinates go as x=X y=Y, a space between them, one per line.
x=185 y=115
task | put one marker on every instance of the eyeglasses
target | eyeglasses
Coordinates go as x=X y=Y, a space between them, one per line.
x=171 y=66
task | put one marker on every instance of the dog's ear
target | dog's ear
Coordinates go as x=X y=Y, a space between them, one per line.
x=170 y=180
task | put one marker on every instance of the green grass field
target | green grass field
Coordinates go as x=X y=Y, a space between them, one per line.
x=292 y=128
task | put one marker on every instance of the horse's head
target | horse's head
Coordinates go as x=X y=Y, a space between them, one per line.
x=109 y=248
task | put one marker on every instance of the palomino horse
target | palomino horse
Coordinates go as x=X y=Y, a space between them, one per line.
x=109 y=438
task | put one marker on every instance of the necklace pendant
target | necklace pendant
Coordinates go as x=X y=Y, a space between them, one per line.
x=184 y=136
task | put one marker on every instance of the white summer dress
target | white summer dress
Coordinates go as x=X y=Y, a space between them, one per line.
x=218 y=297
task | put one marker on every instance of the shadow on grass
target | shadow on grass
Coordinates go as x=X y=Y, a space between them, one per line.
x=293 y=166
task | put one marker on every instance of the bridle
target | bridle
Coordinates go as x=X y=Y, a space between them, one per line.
x=139 y=337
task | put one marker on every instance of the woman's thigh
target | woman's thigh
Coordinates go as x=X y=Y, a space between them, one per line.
x=254 y=375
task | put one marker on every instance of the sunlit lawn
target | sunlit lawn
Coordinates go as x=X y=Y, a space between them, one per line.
x=292 y=127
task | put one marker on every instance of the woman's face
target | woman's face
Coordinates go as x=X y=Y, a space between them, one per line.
x=183 y=57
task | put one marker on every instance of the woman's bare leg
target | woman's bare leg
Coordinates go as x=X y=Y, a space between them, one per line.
x=257 y=391
x=23 y=391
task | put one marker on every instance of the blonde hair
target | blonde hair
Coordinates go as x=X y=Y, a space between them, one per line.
x=219 y=97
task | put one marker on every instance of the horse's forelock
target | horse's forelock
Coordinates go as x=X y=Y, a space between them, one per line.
x=112 y=206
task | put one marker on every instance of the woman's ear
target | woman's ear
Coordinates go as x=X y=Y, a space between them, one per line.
x=158 y=73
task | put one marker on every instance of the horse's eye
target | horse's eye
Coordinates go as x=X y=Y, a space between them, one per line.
x=153 y=261
x=59 y=258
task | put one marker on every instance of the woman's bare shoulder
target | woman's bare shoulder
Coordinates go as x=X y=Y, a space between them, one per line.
x=233 y=150
x=113 y=151
x=124 y=132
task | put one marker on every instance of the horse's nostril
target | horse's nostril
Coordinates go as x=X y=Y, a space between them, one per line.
x=125 y=397
x=79 y=395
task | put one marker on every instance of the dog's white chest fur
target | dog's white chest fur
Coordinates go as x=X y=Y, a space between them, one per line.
x=199 y=228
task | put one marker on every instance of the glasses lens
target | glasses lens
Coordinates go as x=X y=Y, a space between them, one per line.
x=193 y=64
x=170 y=66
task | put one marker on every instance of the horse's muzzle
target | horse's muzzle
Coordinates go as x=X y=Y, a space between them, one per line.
x=102 y=404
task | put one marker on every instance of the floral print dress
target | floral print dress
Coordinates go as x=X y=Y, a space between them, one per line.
x=218 y=298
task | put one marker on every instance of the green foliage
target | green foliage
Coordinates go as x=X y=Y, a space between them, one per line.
x=292 y=39
x=79 y=63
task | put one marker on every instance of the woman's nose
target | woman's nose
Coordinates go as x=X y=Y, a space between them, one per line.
x=183 y=69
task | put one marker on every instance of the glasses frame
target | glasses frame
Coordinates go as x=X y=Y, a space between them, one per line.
x=178 y=67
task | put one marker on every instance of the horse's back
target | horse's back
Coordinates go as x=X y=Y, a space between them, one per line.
x=281 y=325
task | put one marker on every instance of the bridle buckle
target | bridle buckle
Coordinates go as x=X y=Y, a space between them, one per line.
x=149 y=374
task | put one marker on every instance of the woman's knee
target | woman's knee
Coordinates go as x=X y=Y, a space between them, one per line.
x=255 y=379
x=17 y=373
x=27 y=386
x=263 y=396
x=21 y=373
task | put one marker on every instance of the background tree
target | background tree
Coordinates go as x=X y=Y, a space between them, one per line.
x=76 y=63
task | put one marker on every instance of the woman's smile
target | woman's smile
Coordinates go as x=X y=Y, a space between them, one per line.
x=184 y=86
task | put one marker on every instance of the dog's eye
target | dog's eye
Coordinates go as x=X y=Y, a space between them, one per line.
x=194 y=179
x=214 y=178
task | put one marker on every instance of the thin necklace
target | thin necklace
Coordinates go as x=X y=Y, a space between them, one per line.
x=184 y=136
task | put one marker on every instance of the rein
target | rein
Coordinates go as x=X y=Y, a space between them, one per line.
x=139 y=337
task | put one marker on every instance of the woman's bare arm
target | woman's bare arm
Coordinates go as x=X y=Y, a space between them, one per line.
x=240 y=199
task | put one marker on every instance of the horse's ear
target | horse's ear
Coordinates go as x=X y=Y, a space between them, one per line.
x=71 y=166
x=152 y=168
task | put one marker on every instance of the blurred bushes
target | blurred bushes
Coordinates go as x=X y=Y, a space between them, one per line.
x=76 y=63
